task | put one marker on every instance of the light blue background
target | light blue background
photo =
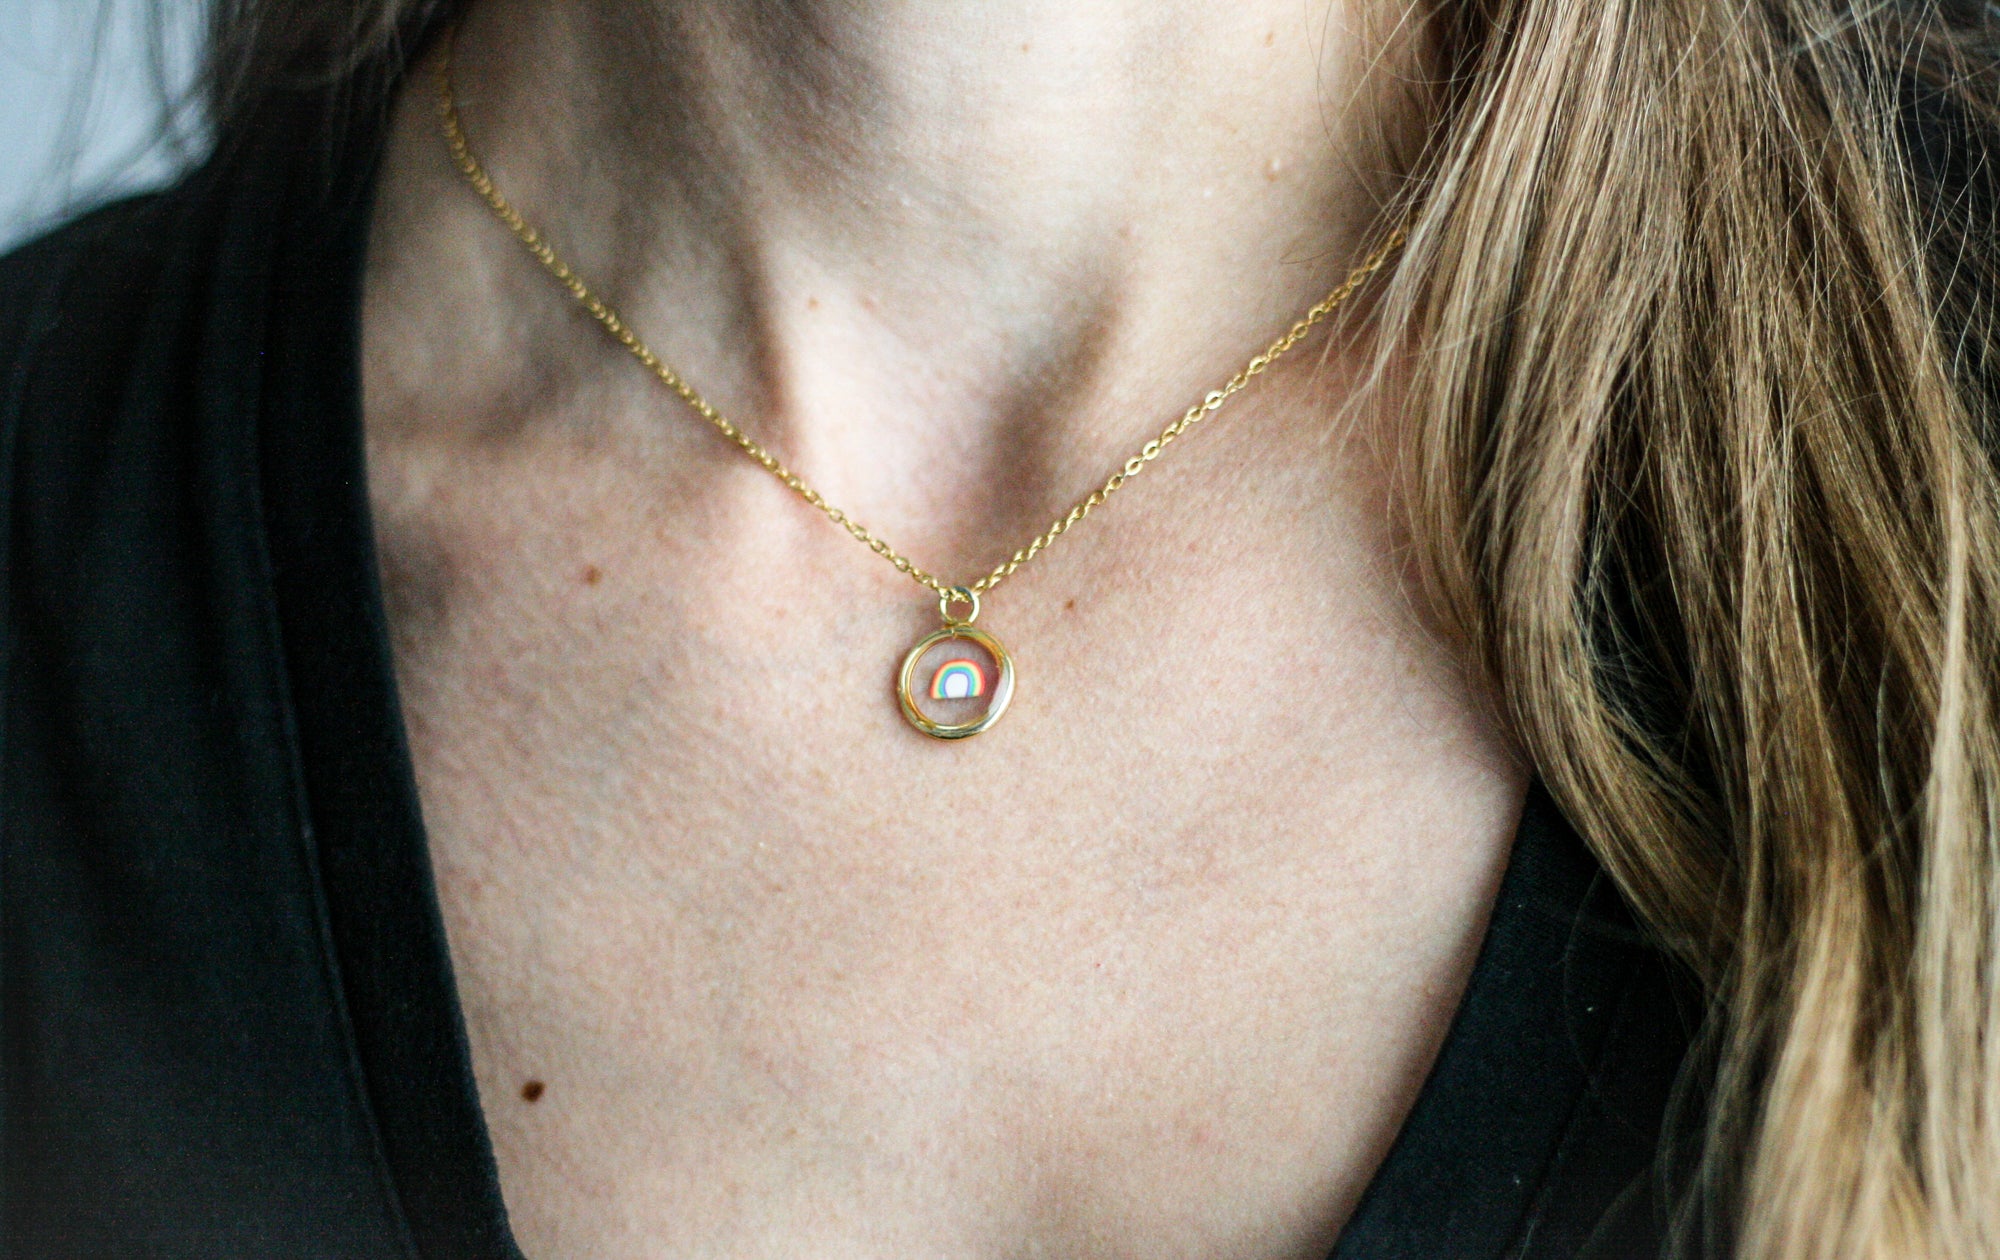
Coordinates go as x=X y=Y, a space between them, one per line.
x=75 y=80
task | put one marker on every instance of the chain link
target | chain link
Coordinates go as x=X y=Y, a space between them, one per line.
x=475 y=175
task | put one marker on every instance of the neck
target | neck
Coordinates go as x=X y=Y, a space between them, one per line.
x=963 y=217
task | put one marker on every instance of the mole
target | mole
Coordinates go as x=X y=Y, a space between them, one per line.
x=532 y=1091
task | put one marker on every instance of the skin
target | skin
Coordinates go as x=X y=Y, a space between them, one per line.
x=1155 y=967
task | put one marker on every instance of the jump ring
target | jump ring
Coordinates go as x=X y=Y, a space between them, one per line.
x=952 y=595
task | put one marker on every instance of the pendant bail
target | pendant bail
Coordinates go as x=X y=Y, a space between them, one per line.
x=951 y=596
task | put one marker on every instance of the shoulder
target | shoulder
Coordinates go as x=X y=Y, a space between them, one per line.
x=111 y=330
x=87 y=280
x=86 y=312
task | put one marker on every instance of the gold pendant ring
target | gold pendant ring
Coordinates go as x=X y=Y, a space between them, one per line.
x=957 y=680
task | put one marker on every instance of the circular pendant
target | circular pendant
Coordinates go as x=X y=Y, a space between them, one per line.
x=955 y=682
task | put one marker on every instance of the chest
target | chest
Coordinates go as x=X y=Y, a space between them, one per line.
x=1153 y=967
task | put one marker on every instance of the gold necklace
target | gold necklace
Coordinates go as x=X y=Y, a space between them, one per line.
x=963 y=695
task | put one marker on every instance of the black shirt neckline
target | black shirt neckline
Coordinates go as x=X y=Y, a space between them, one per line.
x=1496 y=1157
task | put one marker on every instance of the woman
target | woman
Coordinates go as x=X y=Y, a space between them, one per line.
x=1633 y=478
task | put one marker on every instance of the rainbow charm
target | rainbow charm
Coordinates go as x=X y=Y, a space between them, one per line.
x=958 y=680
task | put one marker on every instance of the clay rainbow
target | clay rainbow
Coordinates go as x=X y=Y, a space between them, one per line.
x=958 y=680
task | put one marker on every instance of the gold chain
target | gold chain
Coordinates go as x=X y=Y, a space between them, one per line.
x=475 y=175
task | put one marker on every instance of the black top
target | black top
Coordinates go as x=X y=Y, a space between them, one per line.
x=230 y=1026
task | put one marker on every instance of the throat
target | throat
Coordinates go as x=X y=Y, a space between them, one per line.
x=907 y=242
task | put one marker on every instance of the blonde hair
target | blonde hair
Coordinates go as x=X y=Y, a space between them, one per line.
x=1699 y=471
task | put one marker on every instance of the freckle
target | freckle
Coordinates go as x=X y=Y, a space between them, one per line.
x=1270 y=38
x=812 y=303
x=1069 y=605
x=1025 y=47
x=532 y=1091
x=592 y=575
